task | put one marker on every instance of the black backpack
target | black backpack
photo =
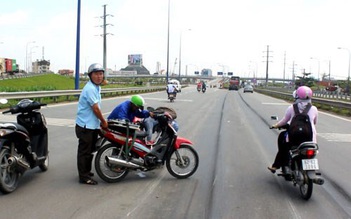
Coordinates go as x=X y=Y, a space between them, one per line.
x=300 y=129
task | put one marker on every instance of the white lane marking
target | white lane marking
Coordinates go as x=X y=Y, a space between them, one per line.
x=278 y=104
x=336 y=137
x=335 y=116
x=163 y=99
x=49 y=121
x=61 y=122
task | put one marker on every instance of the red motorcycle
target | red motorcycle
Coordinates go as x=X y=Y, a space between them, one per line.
x=122 y=148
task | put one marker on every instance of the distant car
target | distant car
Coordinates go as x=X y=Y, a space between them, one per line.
x=248 y=88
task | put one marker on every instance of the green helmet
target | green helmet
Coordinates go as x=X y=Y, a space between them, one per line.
x=137 y=100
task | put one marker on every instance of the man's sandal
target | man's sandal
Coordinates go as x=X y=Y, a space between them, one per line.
x=88 y=182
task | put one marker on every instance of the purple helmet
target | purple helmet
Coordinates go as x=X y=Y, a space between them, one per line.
x=304 y=93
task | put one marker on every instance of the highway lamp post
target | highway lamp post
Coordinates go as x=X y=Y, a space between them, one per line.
x=187 y=67
x=26 y=62
x=1 y=67
x=348 y=74
x=319 y=64
x=325 y=75
x=329 y=69
x=180 y=53
x=169 y=5
x=30 y=57
x=254 y=72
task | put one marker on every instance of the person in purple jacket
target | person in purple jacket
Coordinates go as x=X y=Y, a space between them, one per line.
x=303 y=96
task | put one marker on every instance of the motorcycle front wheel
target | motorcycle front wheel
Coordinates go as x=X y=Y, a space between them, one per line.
x=108 y=172
x=9 y=177
x=183 y=163
x=306 y=188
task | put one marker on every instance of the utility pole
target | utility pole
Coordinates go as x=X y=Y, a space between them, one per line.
x=104 y=39
x=76 y=82
x=293 y=72
x=168 y=27
x=267 y=61
x=284 y=65
x=329 y=68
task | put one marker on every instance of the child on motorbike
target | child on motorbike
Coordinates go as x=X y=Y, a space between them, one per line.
x=302 y=97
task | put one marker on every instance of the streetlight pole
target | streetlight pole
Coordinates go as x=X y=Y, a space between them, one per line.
x=30 y=57
x=27 y=54
x=348 y=75
x=180 y=52
x=319 y=64
x=1 y=67
x=76 y=81
x=169 y=3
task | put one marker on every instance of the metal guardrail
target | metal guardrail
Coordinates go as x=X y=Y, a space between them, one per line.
x=329 y=102
x=131 y=90
x=57 y=93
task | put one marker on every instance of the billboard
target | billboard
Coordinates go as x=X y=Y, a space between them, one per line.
x=135 y=59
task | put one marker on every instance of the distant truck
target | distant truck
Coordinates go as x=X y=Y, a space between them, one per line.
x=234 y=83
x=8 y=66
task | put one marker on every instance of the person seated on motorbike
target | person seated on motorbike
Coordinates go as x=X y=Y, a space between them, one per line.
x=199 y=86
x=171 y=89
x=203 y=85
x=303 y=96
x=134 y=107
x=151 y=123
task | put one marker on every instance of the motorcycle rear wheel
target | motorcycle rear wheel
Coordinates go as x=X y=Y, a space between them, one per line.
x=183 y=163
x=8 y=178
x=109 y=173
x=306 y=189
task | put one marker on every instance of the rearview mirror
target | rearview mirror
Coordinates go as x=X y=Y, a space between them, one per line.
x=3 y=101
x=274 y=118
x=150 y=109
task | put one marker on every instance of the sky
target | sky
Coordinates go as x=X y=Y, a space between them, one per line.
x=222 y=35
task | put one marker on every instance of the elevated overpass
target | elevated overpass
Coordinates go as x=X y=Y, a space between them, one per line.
x=199 y=77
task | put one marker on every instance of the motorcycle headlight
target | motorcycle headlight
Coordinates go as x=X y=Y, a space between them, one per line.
x=2 y=132
x=44 y=120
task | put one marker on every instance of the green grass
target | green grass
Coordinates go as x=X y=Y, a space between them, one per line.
x=37 y=83
x=59 y=82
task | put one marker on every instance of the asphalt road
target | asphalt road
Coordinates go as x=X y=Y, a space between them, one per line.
x=230 y=132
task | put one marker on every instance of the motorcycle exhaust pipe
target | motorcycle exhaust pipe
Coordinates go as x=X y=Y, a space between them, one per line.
x=19 y=164
x=119 y=162
x=318 y=181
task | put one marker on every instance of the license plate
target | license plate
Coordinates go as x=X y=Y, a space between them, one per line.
x=310 y=164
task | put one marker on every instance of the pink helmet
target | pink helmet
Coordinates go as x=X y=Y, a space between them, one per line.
x=304 y=93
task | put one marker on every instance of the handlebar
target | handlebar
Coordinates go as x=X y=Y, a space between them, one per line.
x=24 y=106
x=286 y=126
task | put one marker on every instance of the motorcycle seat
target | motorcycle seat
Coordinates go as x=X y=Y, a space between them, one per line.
x=14 y=126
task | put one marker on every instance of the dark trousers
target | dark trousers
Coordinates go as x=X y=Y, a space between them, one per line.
x=86 y=146
x=282 y=157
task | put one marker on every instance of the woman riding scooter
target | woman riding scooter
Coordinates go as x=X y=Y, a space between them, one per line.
x=303 y=97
